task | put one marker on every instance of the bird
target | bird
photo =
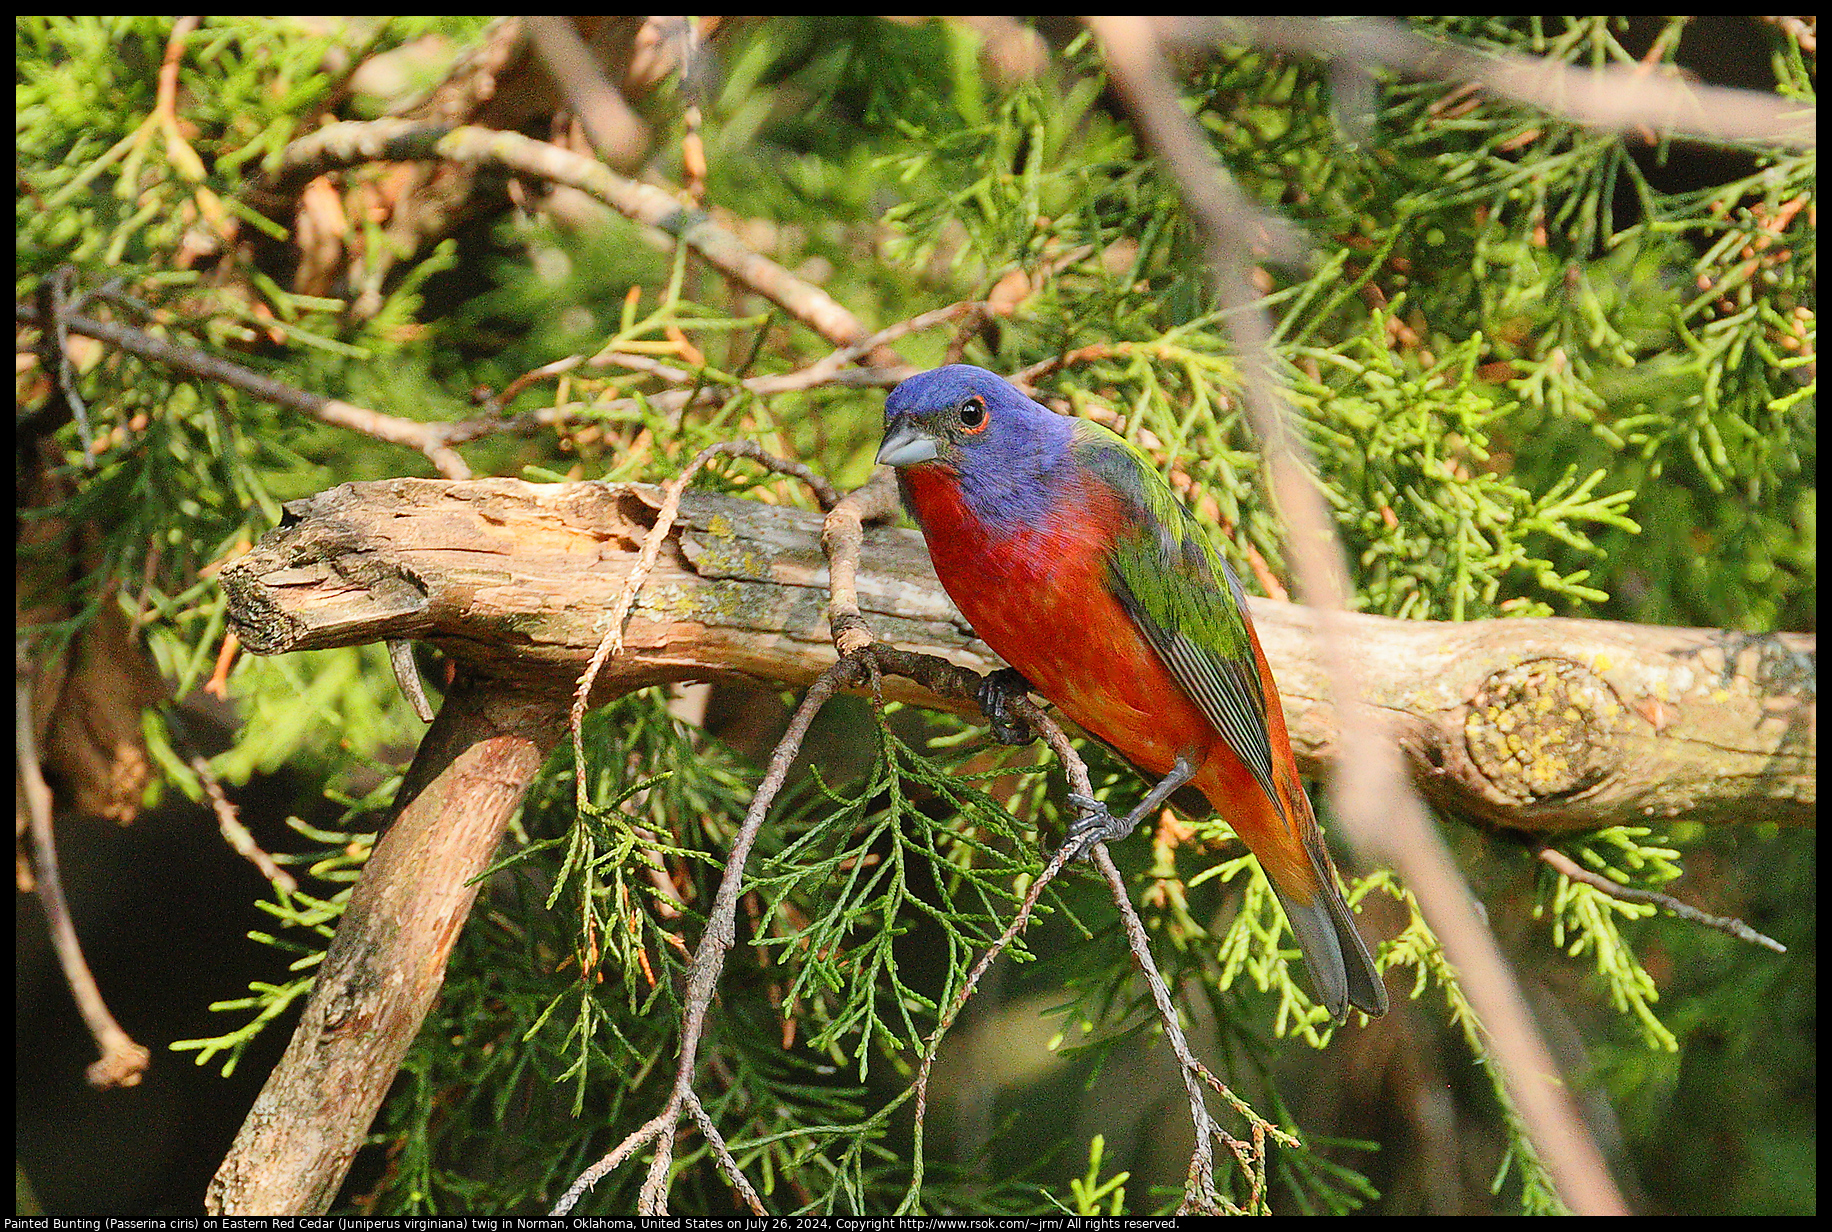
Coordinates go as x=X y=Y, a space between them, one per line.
x=1072 y=558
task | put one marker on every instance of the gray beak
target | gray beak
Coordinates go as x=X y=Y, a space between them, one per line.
x=906 y=445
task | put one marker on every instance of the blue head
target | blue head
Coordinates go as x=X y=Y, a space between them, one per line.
x=1005 y=451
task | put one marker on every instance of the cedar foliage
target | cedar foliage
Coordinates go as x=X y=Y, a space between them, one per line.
x=1543 y=370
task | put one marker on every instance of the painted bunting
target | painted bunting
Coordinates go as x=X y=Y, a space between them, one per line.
x=1071 y=557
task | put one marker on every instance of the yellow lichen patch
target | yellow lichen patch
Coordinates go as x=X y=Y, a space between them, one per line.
x=1542 y=729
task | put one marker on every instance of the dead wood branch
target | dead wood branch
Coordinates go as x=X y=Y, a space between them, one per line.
x=387 y=962
x=1545 y=726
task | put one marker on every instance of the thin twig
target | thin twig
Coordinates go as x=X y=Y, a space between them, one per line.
x=1568 y=867
x=842 y=532
x=54 y=307
x=432 y=439
x=721 y=919
x=1371 y=792
x=829 y=369
x=559 y=367
x=1614 y=98
x=437 y=440
x=1201 y=1194
x=1199 y=1197
x=123 y=1062
x=709 y=956
x=355 y=142
x=727 y=1164
x=824 y=371
x=641 y=363
x=825 y=368
x=1199 y=1189
x=234 y=832
x=648 y=1132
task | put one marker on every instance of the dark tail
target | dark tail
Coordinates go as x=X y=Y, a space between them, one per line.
x=1340 y=965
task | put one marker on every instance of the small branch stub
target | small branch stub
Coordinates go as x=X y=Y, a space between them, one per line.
x=1543 y=730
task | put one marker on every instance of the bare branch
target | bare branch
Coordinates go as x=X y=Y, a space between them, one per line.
x=1615 y=98
x=1380 y=811
x=842 y=533
x=355 y=142
x=1565 y=866
x=1526 y=725
x=234 y=832
x=123 y=1062
x=387 y=961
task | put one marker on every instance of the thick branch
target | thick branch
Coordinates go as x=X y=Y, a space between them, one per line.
x=387 y=961
x=1537 y=725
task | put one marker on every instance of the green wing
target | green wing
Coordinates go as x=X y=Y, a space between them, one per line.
x=1182 y=594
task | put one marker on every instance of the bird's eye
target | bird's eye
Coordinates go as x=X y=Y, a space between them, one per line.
x=973 y=414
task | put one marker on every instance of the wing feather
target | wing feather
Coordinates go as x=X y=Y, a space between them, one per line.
x=1184 y=597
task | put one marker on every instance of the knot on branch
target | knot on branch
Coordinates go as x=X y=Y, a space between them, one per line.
x=1543 y=730
x=850 y=634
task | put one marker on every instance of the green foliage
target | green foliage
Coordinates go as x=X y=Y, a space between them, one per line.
x=1586 y=919
x=310 y=921
x=1540 y=371
x=1419 y=442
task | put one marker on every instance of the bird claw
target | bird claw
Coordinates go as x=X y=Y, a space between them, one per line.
x=1092 y=825
x=997 y=690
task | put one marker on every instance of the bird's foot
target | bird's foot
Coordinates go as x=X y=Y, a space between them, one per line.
x=997 y=691
x=1094 y=825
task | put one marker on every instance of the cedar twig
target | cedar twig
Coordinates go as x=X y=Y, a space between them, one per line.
x=234 y=832
x=829 y=369
x=437 y=440
x=1567 y=867
x=1372 y=795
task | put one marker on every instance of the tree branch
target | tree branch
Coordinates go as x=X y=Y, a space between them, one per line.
x=354 y=142
x=1616 y=98
x=123 y=1061
x=1546 y=726
x=387 y=962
